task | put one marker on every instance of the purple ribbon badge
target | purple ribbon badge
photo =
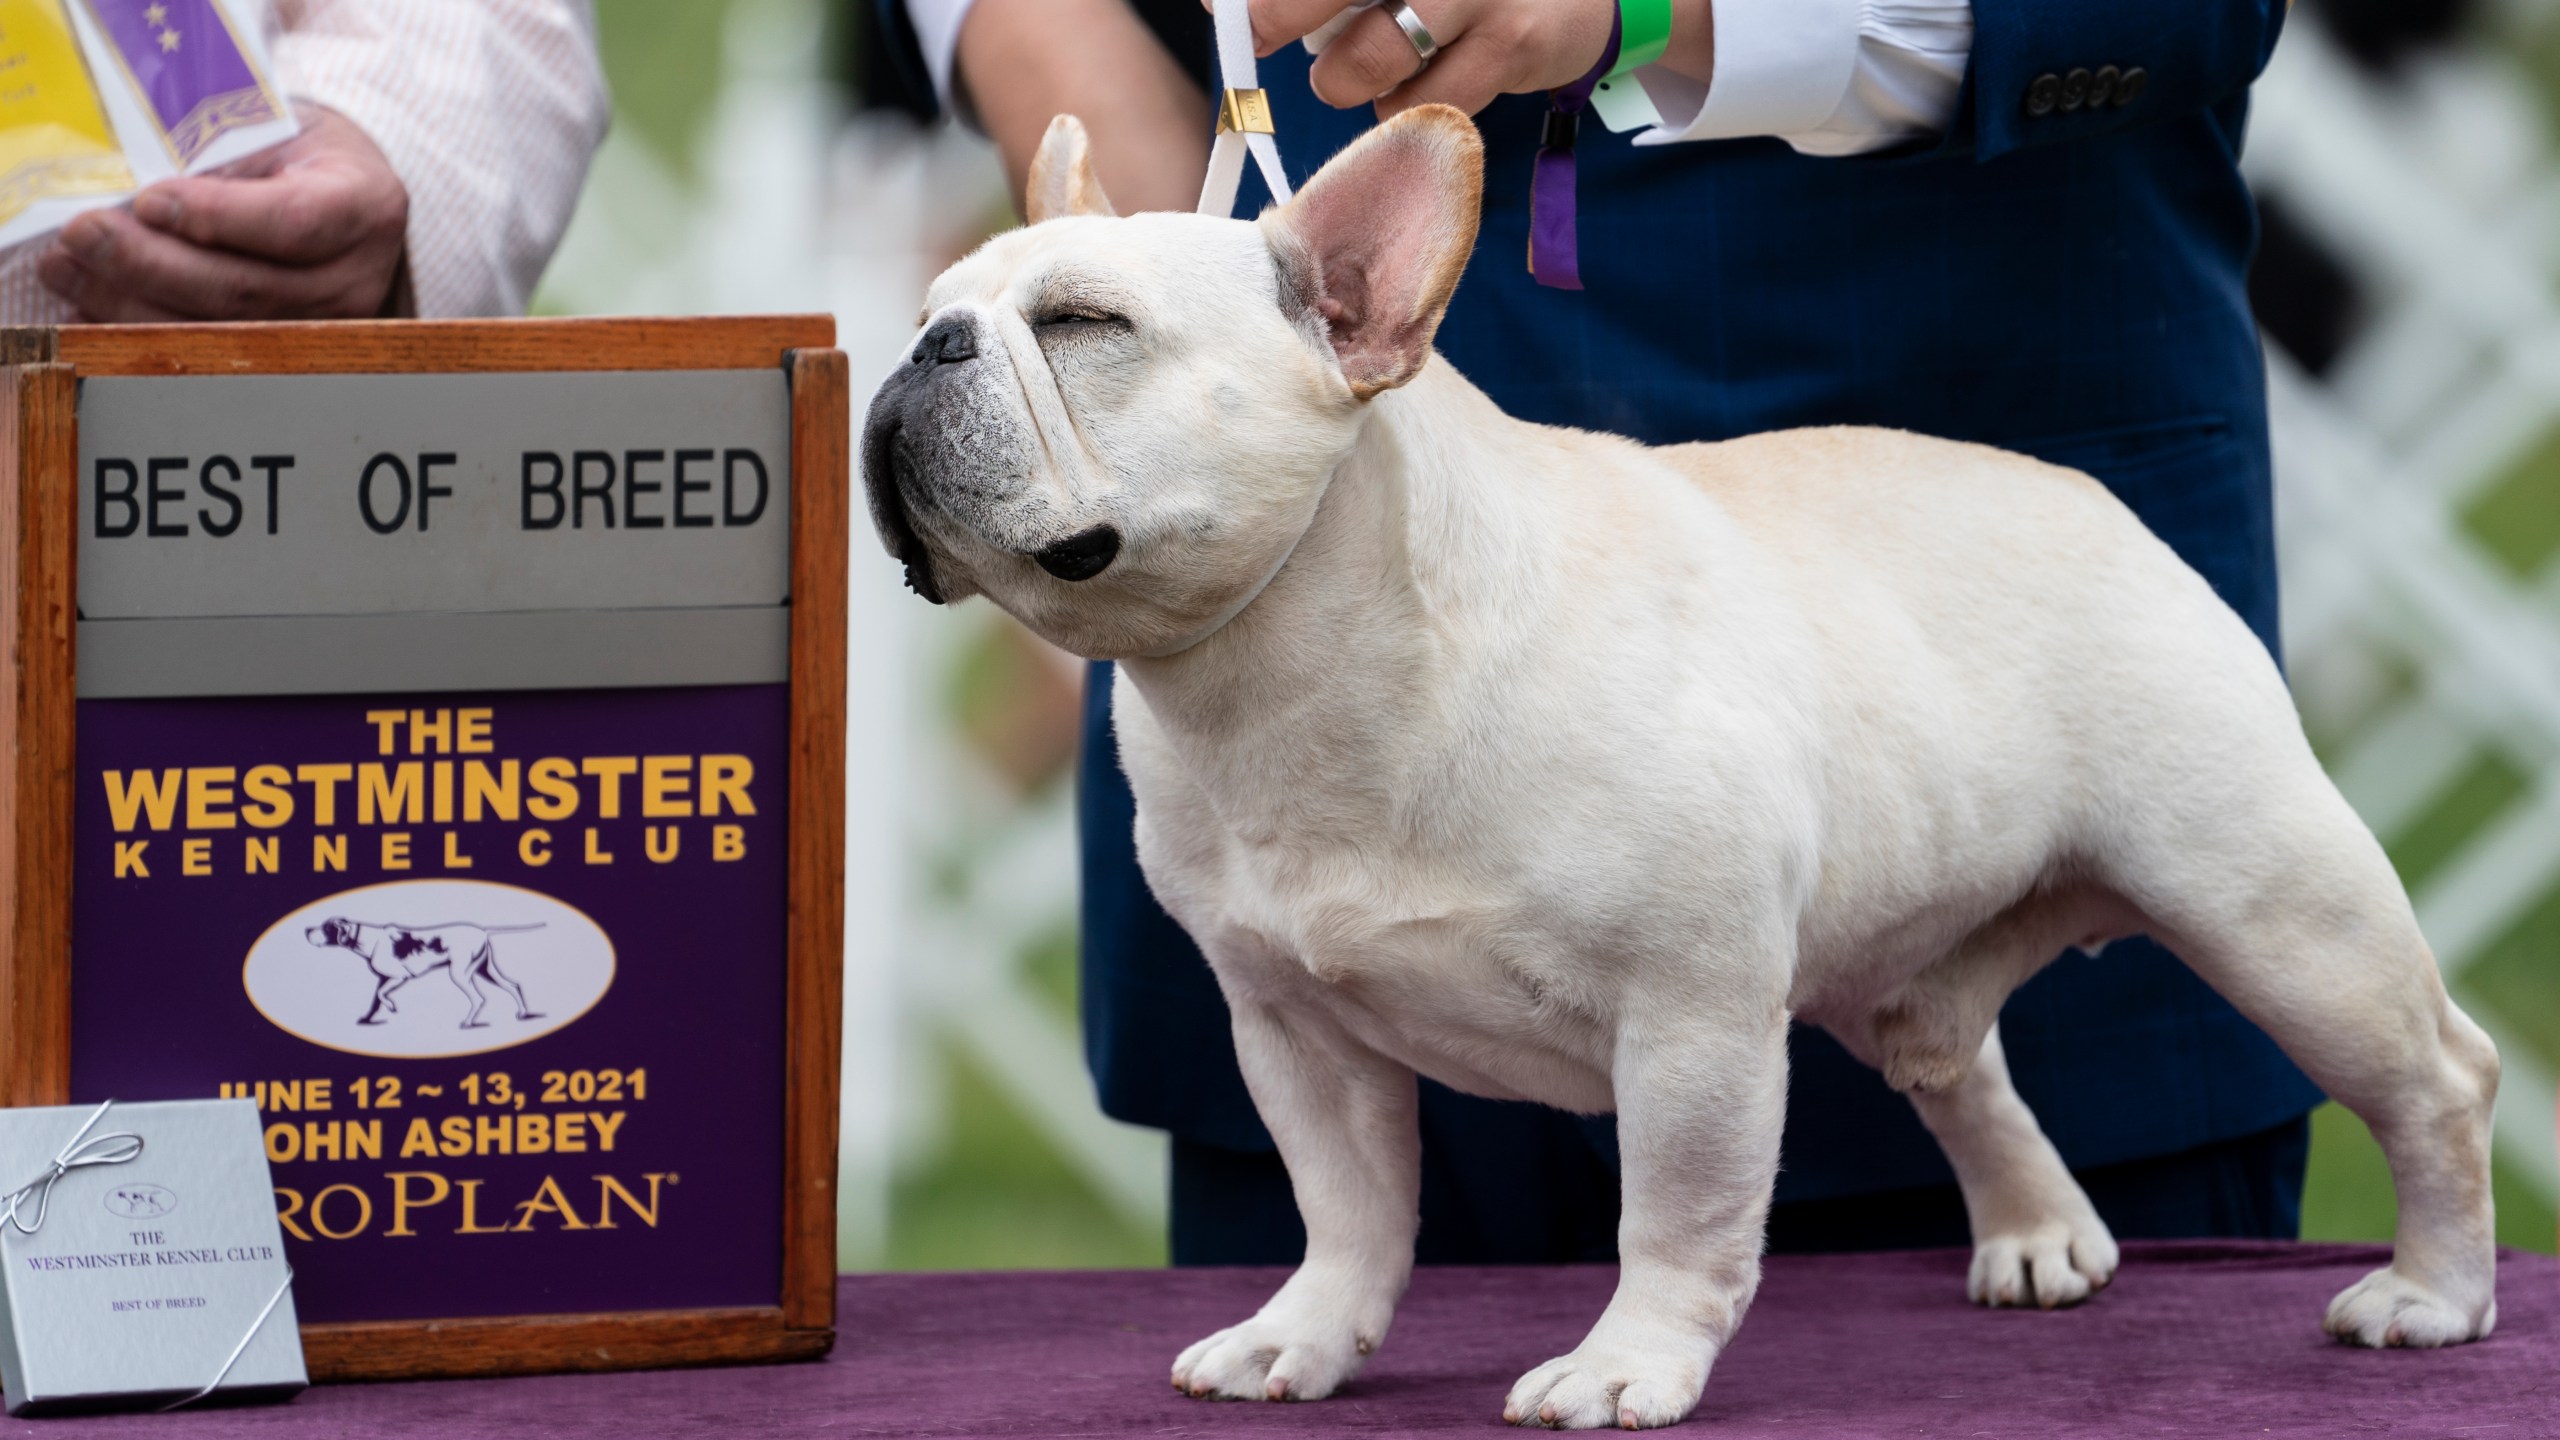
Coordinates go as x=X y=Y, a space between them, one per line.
x=1555 y=254
x=183 y=58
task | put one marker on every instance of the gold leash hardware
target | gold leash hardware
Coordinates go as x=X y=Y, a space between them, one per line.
x=1247 y=112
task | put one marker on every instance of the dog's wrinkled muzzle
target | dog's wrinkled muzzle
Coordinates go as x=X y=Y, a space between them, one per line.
x=951 y=340
x=880 y=482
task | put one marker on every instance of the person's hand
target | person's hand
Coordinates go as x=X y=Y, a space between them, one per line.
x=313 y=228
x=1488 y=48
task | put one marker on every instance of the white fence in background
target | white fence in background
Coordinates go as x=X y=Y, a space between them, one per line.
x=2438 y=191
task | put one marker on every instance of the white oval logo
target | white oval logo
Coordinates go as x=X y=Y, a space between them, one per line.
x=416 y=969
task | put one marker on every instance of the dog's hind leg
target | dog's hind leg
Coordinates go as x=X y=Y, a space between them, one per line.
x=463 y=977
x=2036 y=1238
x=2281 y=899
x=1926 y=1035
x=486 y=962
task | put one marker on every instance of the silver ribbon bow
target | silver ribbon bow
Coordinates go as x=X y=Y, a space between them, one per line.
x=118 y=1148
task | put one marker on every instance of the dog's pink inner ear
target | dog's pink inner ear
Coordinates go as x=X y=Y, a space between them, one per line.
x=1377 y=240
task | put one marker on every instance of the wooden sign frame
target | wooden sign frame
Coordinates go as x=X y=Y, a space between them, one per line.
x=40 y=369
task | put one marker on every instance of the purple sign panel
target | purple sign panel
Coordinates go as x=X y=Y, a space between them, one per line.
x=504 y=973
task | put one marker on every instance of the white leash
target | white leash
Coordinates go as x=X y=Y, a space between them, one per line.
x=1244 y=118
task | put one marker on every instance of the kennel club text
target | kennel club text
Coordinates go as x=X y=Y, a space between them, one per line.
x=431 y=793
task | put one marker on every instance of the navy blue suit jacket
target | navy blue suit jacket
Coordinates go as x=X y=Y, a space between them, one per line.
x=2067 y=283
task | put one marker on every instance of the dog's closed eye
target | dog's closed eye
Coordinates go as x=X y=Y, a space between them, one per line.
x=1078 y=320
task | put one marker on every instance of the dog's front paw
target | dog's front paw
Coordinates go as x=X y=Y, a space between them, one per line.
x=2050 y=1263
x=1602 y=1385
x=1272 y=1359
x=2387 y=1308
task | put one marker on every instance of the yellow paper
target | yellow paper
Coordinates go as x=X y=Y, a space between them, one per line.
x=54 y=139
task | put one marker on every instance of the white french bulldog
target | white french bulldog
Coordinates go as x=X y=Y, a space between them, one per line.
x=1555 y=767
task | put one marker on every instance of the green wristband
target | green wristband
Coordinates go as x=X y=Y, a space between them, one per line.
x=1644 y=33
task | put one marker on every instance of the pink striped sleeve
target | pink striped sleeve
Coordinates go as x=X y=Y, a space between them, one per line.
x=488 y=110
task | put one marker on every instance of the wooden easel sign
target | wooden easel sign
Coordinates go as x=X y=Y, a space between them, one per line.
x=433 y=732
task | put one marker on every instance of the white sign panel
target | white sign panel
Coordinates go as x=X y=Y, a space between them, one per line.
x=274 y=495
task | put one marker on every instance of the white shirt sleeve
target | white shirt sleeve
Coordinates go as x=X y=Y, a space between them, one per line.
x=937 y=25
x=1829 y=77
x=488 y=111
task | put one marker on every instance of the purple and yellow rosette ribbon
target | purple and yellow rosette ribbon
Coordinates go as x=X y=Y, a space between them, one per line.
x=54 y=138
x=194 y=76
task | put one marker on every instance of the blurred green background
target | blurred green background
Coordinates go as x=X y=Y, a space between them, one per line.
x=983 y=1164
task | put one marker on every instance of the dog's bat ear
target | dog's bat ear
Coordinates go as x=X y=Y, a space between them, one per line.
x=1062 y=180
x=1376 y=241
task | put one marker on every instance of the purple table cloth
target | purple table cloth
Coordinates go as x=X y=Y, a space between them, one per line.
x=2192 y=1340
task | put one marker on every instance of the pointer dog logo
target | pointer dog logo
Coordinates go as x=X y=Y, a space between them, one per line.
x=140 y=1202
x=501 y=966
x=398 y=954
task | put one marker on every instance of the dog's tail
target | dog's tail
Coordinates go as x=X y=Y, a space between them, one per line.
x=460 y=925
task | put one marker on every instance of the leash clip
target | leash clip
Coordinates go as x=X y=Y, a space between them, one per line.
x=1245 y=112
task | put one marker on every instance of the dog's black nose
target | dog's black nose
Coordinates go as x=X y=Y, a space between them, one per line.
x=1081 y=556
x=952 y=339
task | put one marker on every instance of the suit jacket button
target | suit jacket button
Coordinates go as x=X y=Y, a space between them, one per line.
x=2129 y=89
x=2102 y=87
x=2075 y=90
x=2043 y=94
